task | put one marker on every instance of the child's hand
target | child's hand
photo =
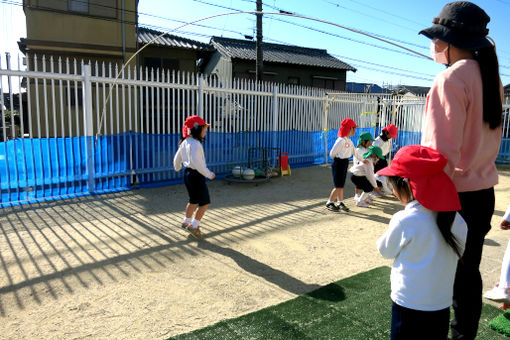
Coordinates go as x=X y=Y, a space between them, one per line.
x=213 y=175
x=377 y=189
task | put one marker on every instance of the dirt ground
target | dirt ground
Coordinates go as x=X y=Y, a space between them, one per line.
x=118 y=266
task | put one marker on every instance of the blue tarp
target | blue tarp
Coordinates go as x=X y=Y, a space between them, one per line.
x=35 y=169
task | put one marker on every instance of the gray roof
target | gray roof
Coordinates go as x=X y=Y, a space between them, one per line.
x=168 y=40
x=276 y=53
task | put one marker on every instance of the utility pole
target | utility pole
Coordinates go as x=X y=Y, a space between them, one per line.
x=258 y=45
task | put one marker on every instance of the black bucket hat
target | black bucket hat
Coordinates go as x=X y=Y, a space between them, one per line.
x=462 y=24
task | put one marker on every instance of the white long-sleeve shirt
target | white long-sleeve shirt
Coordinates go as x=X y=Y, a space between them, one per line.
x=385 y=146
x=358 y=155
x=423 y=272
x=365 y=169
x=191 y=155
x=343 y=148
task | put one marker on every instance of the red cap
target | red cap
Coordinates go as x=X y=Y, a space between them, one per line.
x=392 y=130
x=423 y=166
x=190 y=123
x=345 y=127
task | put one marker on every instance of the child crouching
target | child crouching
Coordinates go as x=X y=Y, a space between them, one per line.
x=362 y=175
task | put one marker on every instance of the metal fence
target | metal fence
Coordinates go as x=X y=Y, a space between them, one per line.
x=77 y=127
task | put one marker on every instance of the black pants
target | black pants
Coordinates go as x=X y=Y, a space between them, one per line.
x=477 y=210
x=410 y=324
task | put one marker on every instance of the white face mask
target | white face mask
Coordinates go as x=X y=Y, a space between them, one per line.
x=441 y=56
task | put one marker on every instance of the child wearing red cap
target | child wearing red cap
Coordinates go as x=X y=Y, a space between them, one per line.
x=362 y=175
x=384 y=141
x=191 y=155
x=340 y=153
x=426 y=240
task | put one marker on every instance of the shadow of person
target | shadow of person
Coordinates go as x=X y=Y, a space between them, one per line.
x=489 y=242
x=274 y=276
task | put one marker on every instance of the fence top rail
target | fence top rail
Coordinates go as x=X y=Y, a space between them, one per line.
x=41 y=75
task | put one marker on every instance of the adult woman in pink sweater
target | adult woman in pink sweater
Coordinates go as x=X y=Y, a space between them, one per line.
x=463 y=122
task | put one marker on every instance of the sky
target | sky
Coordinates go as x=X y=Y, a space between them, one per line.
x=398 y=21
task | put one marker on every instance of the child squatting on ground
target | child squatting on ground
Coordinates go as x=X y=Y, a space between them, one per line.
x=363 y=177
x=365 y=140
x=426 y=240
x=191 y=155
x=341 y=151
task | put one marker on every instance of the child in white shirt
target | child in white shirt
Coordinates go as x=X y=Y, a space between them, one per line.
x=191 y=155
x=426 y=240
x=384 y=141
x=362 y=175
x=340 y=153
x=365 y=140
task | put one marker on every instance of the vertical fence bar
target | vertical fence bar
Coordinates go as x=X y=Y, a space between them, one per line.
x=275 y=116
x=88 y=127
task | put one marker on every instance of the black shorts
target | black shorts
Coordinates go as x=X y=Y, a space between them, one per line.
x=362 y=182
x=196 y=186
x=339 y=170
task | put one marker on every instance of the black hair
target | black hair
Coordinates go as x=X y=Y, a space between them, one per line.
x=489 y=68
x=364 y=142
x=384 y=136
x=195 y=132
x=444 y=219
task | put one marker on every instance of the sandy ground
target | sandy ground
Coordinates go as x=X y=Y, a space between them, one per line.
x=118 y=266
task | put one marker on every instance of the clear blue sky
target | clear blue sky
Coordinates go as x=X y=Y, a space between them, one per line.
x=377 y=62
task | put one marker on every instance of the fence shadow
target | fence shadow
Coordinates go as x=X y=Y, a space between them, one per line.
x=51 y=249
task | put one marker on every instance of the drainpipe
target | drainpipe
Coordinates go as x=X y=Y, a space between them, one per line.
x=123 y=19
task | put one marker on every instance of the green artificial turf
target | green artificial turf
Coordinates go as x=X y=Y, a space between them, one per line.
x=358 y=307
x=501 y=323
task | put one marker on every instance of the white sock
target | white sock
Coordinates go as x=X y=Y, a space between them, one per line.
x=328 y=202
x=187 y=220
x=356 y=196
x=340 y=202
x=195 y=223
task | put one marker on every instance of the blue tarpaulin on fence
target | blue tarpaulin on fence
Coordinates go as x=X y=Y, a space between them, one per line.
x=33 y=169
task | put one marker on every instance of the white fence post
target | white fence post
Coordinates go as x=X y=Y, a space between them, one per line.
x=88 y=128
x=200 y=99
x=275 y=115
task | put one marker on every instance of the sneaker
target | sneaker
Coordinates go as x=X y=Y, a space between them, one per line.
x=184 y=225
x=343 y=207
x=505 y=225
x=376 y=194
x=363 y=204
x=369 y=199
x=195 y=232
x=498 y=295
x=331 y=206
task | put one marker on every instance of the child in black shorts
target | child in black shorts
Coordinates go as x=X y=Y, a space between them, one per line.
x=341 y=151
x=191 y=155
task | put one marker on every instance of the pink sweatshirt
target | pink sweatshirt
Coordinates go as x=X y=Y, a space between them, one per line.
x=453 y=124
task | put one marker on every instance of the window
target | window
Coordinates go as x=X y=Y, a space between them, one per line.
x=328 y=83
x=293 y=81
x=81 y=6
x=161 y=63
